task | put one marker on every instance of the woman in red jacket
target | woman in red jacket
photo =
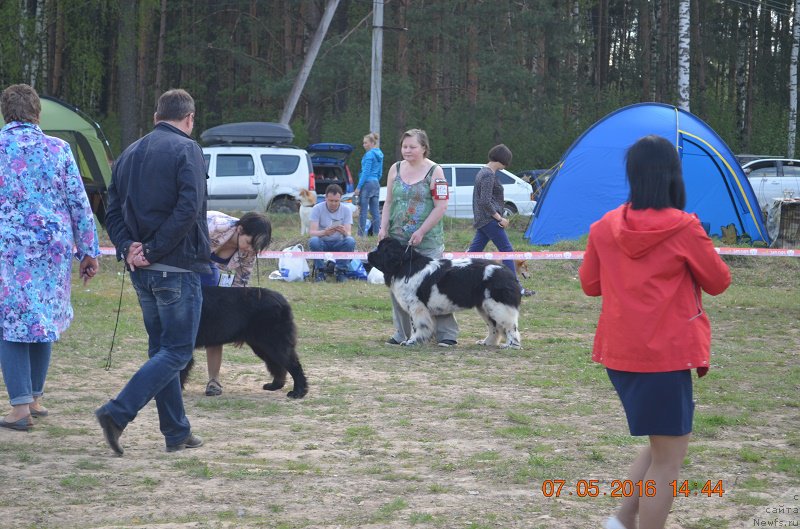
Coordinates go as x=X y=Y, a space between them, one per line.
x=649 y=260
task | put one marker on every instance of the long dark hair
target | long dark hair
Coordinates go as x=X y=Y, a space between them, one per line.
x=257 y=226
x=654 y=174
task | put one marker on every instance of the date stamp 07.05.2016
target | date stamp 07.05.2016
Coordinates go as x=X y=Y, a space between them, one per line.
x=624 y=488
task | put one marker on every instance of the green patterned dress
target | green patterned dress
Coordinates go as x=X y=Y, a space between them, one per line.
x=411 y=205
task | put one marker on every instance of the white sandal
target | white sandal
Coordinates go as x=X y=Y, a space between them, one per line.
x=614 y=523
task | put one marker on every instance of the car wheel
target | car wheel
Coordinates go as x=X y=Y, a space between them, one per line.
x=284 y=205
x=509 y=209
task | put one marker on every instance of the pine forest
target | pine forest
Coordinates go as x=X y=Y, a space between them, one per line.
x=533 y=74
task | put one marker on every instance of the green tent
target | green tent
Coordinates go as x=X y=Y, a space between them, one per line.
x=88 y=144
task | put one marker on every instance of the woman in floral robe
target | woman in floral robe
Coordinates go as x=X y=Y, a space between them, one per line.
x=44 y=213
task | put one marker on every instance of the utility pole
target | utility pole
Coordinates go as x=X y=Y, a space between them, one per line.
x=308 y=62
x=377 y=67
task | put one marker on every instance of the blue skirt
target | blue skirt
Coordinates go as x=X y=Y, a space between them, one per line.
x=656 y=403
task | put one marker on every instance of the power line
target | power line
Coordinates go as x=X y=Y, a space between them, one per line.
x=780 y=9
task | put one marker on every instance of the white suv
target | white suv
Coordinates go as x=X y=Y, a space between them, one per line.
x=461 y=181
x=251 y=168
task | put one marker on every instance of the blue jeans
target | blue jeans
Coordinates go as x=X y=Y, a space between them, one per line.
x=368 y=200
x=210 y=279
x=493 y=232
x=347 y=244
x=446 y=325
x=171 y=303
x=24 y=368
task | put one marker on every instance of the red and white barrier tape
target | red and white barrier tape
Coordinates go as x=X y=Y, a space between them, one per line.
x=526 y=256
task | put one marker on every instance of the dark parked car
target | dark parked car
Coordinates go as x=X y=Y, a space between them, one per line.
x=330 y=167
x=537 y=178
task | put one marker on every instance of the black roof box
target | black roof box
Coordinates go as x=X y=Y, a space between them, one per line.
x=248 y=133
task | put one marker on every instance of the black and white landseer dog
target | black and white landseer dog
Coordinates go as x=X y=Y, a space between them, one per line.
x=262 y=319
x=426 y=287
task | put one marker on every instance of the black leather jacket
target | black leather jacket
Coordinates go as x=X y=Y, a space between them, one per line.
x=158 y=197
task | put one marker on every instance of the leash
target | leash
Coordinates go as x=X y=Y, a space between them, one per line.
x=116 y=323
x=408 y=276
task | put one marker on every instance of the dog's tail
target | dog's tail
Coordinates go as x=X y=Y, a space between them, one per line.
x=185 y=373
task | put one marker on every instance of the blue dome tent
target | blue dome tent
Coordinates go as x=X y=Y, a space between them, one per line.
x=590 y=178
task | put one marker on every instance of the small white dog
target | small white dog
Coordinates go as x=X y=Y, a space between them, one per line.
x=308 y=199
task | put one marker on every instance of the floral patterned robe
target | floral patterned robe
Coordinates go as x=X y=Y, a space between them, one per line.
x=44 y=213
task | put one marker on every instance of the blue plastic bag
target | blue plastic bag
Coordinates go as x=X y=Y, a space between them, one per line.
x=356 y=270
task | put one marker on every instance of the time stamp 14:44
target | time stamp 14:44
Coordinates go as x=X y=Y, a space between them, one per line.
x=624 y=488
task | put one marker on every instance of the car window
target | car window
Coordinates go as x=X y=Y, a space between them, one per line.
x=763 y=171
x=503 y=178
x=448 y=175
x=235 y=165
x=278 y=164
x=791 y=171
x=207 y=159
x=465 y=176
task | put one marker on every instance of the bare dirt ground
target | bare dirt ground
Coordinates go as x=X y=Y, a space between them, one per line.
x=389 y=437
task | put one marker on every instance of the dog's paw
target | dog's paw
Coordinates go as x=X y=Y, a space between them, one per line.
x=409 y=343
x=274 y=386
x=481 y=342
x=297 y=394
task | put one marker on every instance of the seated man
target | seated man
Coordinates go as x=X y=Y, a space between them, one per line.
x=330 y=230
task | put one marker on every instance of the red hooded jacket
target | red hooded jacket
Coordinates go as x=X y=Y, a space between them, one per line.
x=650 y=266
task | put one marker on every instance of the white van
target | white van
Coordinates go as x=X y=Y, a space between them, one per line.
x=461 y=181
x=251 y=167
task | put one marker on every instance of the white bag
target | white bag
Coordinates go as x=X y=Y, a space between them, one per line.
x=293 y=268
x=375 y=277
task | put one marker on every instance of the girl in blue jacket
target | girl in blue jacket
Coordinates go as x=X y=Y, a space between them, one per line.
x=369 y=184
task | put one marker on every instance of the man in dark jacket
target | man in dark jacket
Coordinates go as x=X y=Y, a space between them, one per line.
x=156 y=218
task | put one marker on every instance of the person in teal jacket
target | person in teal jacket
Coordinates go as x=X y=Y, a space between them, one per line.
x=369 y=184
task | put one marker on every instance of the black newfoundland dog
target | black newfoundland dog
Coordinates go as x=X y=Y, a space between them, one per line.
x=427 y=287
x=262 y=319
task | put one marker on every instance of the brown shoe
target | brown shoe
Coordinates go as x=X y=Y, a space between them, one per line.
x=41 y=412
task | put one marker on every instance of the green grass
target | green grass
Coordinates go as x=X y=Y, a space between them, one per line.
x=407 y=437
x=194 y=467
x=79 y=482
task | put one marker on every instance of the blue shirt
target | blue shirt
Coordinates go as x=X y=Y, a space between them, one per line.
x=371 y=167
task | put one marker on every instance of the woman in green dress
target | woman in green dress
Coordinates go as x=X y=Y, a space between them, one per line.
x=412 y=214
